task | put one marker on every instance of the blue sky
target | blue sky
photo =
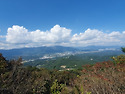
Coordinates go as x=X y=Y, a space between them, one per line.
x=105 y=16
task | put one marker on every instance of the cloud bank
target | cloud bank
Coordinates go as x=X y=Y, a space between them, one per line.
x=18 y=34
x=19 y=37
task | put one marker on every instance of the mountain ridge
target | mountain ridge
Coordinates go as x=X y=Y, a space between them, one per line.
x=35 y=52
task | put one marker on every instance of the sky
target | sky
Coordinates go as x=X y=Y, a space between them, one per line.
x=75 y=23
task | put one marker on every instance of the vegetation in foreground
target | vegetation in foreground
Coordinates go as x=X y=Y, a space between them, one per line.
x=106 y=77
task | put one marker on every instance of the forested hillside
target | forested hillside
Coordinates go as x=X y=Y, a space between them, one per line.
x=106 y=77
x=73 y=61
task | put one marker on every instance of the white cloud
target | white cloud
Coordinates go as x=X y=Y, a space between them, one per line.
x=19 y=37
x=87 y=35
x=96 y=37
x=56 y=34
x=3 y=45
x=18 y=34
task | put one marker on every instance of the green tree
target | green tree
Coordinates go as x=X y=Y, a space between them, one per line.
x=3 y=64
x=123 y=49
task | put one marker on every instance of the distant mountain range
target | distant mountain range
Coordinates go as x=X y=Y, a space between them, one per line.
x=29 y=53
x=95 y=48
x=36 y=52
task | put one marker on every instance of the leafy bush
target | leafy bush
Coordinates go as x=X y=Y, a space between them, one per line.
x=100 y=78
x=119 y=59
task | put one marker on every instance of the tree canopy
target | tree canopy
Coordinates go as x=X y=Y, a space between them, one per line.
x=123 y=49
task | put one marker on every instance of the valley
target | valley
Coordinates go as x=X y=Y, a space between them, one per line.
x=57 y=56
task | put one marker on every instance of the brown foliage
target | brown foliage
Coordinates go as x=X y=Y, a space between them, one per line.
x=101 y=78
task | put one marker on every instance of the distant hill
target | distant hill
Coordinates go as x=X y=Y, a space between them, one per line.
x=78 y=56
x=36 y=52
x=96 y=48
x=29 y=53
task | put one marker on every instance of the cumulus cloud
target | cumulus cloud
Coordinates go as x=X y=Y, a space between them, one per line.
x=56 y=34
x=19 y=34
x=87 y=35
x=19 y=37
x=96 y=37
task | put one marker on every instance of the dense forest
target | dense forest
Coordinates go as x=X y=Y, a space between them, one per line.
x=107 y=77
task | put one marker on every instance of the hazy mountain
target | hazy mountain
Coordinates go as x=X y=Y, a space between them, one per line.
x=35 y=52
x=96 y=48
